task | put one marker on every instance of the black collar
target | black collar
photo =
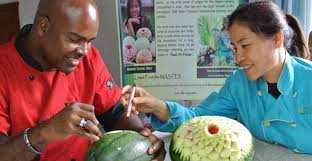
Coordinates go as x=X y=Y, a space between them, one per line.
x=273 y=90
x=20 y=47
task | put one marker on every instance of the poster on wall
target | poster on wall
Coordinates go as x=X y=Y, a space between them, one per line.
x=176 y=49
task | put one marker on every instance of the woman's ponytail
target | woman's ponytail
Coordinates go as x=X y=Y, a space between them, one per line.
x=298 y=46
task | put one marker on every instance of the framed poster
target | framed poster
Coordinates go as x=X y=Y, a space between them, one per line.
x=176 y=49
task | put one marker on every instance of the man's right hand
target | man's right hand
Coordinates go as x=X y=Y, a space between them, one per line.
x=64 y=124
x=144 y=102
x=67 y=123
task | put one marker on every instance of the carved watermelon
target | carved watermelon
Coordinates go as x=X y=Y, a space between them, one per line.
x=120 y=145
x=211 y=138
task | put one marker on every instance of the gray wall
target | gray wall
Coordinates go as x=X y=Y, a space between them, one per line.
x=107 y=40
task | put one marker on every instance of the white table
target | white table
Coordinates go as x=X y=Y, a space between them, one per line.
x=263 y=151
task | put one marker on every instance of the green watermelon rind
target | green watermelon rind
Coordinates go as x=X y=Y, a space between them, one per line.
x=121 y=145
x=175 y=156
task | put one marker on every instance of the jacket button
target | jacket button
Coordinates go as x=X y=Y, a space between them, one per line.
x=293 y=125
x=266 y=123
x=296 y=150
x=31 y=77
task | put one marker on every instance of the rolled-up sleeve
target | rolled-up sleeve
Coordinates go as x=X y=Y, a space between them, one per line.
x=220 y=103
x=175 y=118
x=4 y=109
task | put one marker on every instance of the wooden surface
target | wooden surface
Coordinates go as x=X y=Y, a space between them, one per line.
x=9 y=20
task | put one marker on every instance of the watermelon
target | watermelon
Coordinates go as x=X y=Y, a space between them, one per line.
x=142 y=43
x=144 y=32
x=120 y=145
x=211 y=138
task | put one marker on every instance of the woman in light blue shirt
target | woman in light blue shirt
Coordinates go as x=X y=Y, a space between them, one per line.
x=271 y=92
x=225 y=48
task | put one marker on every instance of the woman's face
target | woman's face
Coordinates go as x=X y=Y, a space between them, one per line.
x=256 y=54
x=135 y=9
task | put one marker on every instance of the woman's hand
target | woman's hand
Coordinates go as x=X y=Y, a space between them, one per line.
x=134 y=20
x=144 y=102
x=128 y=26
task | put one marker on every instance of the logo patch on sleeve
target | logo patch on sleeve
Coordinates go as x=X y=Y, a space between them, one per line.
x=110 y=84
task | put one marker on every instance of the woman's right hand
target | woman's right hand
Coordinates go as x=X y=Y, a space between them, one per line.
x=144 y=102
x=129 y=28
x=134 y=20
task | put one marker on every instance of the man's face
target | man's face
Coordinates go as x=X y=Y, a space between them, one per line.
x=68 y=39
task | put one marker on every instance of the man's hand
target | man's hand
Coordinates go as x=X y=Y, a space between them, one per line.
x=158 y=148
x=61 y=126
x=68 y=122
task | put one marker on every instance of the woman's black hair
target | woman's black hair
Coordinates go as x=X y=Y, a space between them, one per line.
x=267 y=19
x=310 y=42
x=129 y=6
x=299 y=46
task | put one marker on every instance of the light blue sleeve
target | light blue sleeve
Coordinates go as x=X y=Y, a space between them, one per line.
x=220 y=104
